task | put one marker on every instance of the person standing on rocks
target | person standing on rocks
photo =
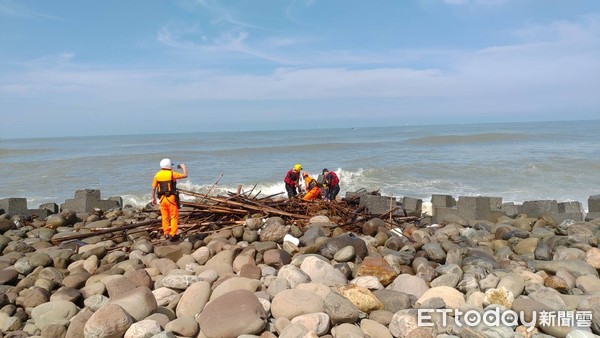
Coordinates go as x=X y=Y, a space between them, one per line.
x=292 y=180
x=164 y=186
x=332 y=184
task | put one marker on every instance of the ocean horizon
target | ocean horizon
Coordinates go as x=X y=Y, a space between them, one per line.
x=518 y=161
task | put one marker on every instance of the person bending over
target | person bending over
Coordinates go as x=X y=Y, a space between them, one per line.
x=292 y=180
x=312 y=188
x=332 y=184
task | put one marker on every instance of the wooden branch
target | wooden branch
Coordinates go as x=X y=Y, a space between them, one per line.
x=106 y=231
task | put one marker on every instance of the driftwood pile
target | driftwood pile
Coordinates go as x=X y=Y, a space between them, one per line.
x=203 y=214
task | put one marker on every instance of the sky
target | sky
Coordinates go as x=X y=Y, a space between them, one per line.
x=82 y=67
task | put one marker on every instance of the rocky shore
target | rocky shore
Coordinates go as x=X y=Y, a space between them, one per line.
x=270 y=277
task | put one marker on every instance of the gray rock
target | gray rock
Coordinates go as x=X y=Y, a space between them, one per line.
x=95 y=302
x=513 y=283
x=193 y=300
x=320 y=271
x=110 y=321
x=393 y=301
x=340 y=309
x=310 y=236
x=575 y=267
x=333 y=245
x=273 y=231
x=180 y=282
x=410 y=285
x=294 y=302
x=346 y=254
x=143 y=329
x=138 y=303
x=78 y=322
x=435 y=252
x=233 y=314
x=315 y=322
x=183 y=326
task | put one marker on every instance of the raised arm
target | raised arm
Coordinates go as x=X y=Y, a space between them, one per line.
x=185 y=173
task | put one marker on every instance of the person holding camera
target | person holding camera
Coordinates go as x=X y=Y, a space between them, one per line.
x=164 y=186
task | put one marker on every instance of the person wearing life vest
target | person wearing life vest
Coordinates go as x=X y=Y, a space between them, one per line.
x=312 y=188
x=292 y=180
x=164 y=187
x=332 y=184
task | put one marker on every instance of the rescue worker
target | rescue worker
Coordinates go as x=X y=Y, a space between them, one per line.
x=332 y=184
x=164 y=186
x=292 y=180
x=312 y=188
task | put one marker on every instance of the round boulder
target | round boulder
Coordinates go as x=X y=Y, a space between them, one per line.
x=233 y=314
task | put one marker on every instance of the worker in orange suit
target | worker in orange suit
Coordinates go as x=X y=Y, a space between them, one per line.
x=312 y=188
x=164 y=186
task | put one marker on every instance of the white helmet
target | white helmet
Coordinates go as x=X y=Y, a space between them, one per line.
x=166 y=163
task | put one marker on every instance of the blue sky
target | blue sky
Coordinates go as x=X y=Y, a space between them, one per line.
x=128 y=67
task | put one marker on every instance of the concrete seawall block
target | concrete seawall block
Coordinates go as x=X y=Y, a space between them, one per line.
x=14 y=205
x=510 y=209
x=87 y=200
x=378 y=205
x=441 y=212
x=18 y=206
x=412 y=206
x=594 y=203
x=559 y=212
x=442 y=201
x=539 y=208
x=51 y=207
x=592 y=216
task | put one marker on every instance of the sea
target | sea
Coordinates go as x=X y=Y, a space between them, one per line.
x=516 y=161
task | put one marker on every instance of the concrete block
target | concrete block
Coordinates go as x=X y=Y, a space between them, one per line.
x=559 y=212
x=412 y=206
x=87 y=193
x=594 y=203
x=14 y=206
x=18 y=206
x=51 y=207
x=378 y=205
x=479 y=208
x=592 y=216
x=441 y=212
x=117 y=199
x=442 y=201
x=87 y=200
x=569 y=207
x=510 y=209
x=539 y=208
x=355 y=194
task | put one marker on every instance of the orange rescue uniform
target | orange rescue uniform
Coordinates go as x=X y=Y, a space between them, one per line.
x=169 y=210
x=312 y=194
x=313 y=190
